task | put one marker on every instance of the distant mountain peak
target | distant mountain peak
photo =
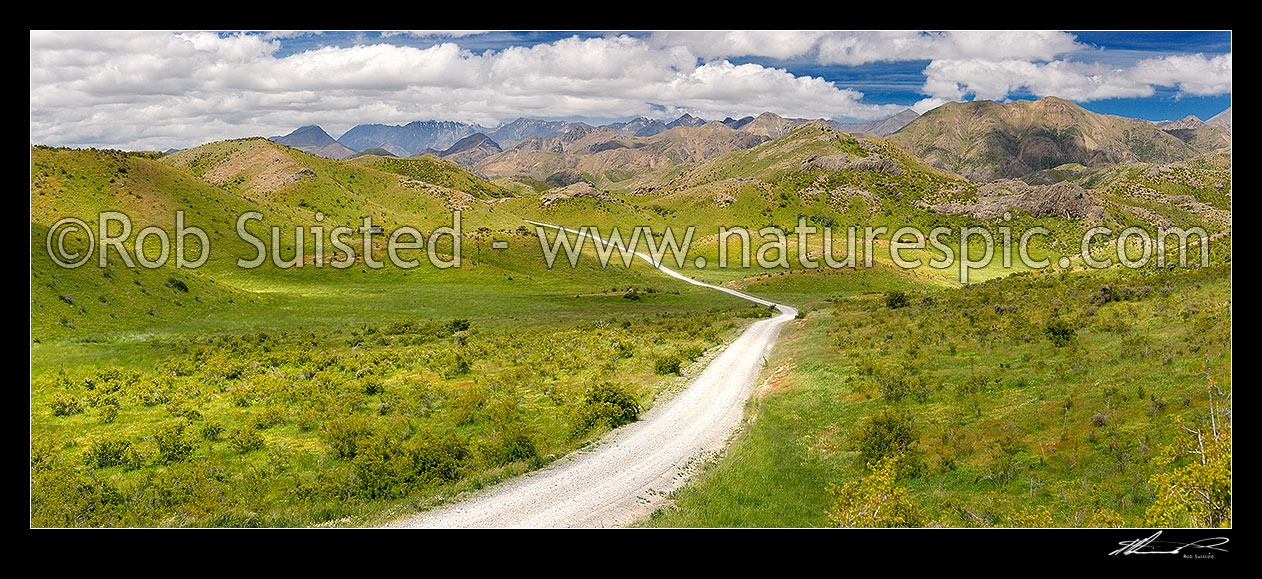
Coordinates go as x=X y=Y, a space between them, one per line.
x=1188 y=122
x=310 y=135
x=470 y=142
x=471 y=149
x=686 y=120
x=314 y=140
x=1222 y=119
x=880 y=127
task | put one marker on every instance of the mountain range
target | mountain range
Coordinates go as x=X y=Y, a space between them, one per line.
x=981 y=140
x=434 y=137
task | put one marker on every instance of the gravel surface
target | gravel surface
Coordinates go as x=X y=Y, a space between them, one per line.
x=631 y=470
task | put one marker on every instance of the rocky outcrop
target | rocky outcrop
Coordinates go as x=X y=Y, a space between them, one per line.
x=302 y=175
x=1064 y=200
x=583 y=189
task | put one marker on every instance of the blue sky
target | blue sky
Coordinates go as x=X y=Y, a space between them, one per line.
x=154 y=89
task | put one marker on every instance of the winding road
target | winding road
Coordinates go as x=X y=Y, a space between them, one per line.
x=631 y=470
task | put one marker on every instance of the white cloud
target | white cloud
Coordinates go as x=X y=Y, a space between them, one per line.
x=1078 y=81
x=855 y=48
x=860 y=47
x=1193 y=74
x=780 y=44
x=927 y=104
x=162 y=89
x=156 y=90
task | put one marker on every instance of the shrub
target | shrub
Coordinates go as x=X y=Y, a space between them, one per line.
x=133 y=459
x=108 y=413
x=244 y=439
x=180 y=409
x=104 y=453
x=442 y=460
x=373 y=386
x=874 y=501
x=470 y=405
x=211 y=430
x=268 y=418
x=385 y=467
x=668 y=364
x=512 y=442
x=308 y=420
x=1060 y=332
x=65 y=405
x=887 y=434
x=691 y=351
x=895 y=299
x=606 y=403
x=63 y=497
x=173 y=446
x=345 y=434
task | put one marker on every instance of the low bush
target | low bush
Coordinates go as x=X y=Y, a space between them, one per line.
x=173 y=445
x=668 y=364
x=245 y=439
x=608 y=404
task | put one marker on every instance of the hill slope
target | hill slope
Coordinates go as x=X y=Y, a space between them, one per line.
x=987 y=140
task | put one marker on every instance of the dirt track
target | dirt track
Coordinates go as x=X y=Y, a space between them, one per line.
x=629 y=473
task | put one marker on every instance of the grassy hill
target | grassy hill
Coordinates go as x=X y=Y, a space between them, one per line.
x=441 y=172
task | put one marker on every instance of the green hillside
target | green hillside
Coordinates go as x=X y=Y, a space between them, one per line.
x=431 y=169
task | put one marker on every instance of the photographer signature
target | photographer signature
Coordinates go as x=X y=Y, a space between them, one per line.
x=1151 y=546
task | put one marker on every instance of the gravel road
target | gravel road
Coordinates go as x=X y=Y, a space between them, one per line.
x=631 y=470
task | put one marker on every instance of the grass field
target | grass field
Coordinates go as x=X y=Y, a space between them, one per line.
x=1000 y=424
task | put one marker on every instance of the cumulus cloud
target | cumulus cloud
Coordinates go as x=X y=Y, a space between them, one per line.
x=986 y=64
x=1193 y=74
x=853 y=48
x=161 y=89
x=857 y=48
x=996 y=79
x=779 y=44
x=164 y=89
